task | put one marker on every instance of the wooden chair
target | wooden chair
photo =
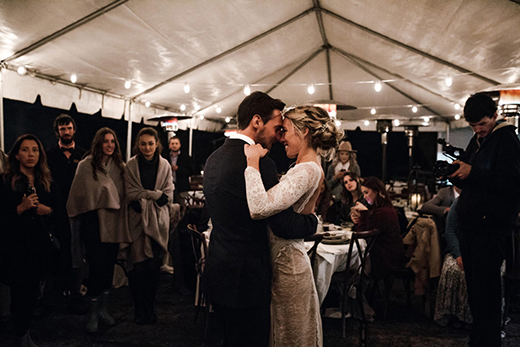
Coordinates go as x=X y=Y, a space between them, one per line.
x=200 y=249
x=346 y=279
x=312 y=251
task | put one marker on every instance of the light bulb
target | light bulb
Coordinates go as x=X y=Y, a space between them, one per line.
x=186 y=88
x=73 y=78
x=228 y=119
x=426 y=119
x=414 y=109
x=457 y=116
x=183 y=107
x=22 y=70
x=128 y=84
x=367 y=123
x=377 y=86
x=425 y=124
x=338 y=123
x=247 y=89
x=457 y=106
x=218 y=109
x=147 y=104
x=373 y=111
x=396 y=122
x=448 y=81
x=201 y=117
x=310 y=89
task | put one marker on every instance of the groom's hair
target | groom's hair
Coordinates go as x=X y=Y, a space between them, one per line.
x=257 y=103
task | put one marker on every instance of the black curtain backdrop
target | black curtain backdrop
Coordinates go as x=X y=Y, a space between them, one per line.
x=22 y=118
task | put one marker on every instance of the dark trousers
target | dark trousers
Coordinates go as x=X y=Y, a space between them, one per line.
x=243 y=326
x=24 y=295
x=482 y=255
x=101 y=256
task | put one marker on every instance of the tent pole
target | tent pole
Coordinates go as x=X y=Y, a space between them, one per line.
x=129 y=132
x=2 y=138
x=191 y=137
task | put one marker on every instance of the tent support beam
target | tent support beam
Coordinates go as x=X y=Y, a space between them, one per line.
x=223 y=54
x=412 y=49
x=329 y=73
x=129 y=131
x=65 y=30
x=362 y=67
x=2 y=137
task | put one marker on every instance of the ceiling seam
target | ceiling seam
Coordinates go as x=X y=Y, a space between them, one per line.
x=65 y=30
x=367 y=70
x=410 y=48
x=326 y=44
x=223 y=54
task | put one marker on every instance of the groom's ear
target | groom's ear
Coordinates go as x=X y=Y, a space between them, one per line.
x=257 y=121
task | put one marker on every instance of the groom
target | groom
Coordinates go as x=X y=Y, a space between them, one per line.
x=237 y=276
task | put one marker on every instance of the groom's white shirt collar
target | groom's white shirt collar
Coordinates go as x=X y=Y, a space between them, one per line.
x=242 y=137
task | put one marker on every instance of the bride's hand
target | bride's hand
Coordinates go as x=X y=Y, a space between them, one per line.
x=255 y=151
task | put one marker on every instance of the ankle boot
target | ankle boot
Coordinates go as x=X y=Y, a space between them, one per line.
x=136 y=284
x=103 y=309
x=93 y=316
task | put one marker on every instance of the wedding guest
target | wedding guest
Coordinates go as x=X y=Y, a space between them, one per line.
x=350 y=195
x=97 y=207
x=344 y=162
x=182 y=169
x=149 y=189
x=388 y=251
x=29 y=210
x=439 y=206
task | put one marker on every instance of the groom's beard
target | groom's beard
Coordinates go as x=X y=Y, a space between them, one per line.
x=67 y=140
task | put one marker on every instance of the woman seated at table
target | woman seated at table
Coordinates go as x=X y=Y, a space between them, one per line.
x=388 y=251
x=452 y=294
x=350 y=195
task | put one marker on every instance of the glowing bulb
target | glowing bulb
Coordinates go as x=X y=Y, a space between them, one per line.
x=457 y=106
x=73 y=78
x=247 y=89
x=426 y=119
x=22 y=70
x=377 y=86
x=186 y=88
x=147 y=104
x=228 y=119
x=414 y=109
x=367 y=123
x=201 y=117
x=373 y=111
x=128 y=84
x=183 y=107
x=457 y=116
x=338 y=123
x=425 y=124
x=396 y=122
x=218 y=109
x=310 y=89
x=448 y=81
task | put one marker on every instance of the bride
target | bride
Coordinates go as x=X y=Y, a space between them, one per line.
x=309 y=133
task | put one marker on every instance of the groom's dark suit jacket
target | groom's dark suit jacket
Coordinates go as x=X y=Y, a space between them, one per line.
x=238 y=266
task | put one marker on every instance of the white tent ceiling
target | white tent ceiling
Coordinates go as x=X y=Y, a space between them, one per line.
x=218 y=47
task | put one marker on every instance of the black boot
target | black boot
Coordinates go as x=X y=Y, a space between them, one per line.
x=136 y=284
x=93 y=316
x=103 y=309
x=150 y=294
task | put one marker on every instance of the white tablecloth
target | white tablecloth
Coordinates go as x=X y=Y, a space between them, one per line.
x=329 y=259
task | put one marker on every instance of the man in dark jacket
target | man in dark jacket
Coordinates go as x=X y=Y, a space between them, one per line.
x=237 y=276
x=487 y=209
x=182 y=169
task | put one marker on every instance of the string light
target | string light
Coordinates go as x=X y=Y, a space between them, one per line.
x=448 y=81
x=201 y=117
x=377 y=86
x=228 y=119
x=414 y=109
x=147 y=104
x=247 y=90
x=396 y=122
x=367 y=123
x=373 y=111
x=218 y=109
x=457 y=116
x=310 y=89
x=73 y=78
x=183 y=107
x=338 y=123
x=426 y=119
x=425 y=124
x=22 y=70
x=128 y=84
x=186 y=88
x=456 y=106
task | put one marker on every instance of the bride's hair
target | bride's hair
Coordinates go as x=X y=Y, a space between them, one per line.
x=324 y=135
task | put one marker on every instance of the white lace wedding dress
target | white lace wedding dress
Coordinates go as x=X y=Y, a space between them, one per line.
x=295 y=309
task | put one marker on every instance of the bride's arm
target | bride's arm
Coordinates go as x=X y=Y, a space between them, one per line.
x=263 y=204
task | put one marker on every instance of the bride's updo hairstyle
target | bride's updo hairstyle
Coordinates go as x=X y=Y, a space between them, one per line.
x=324 y=134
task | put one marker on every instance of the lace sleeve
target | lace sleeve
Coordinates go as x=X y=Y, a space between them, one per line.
x=283 y=195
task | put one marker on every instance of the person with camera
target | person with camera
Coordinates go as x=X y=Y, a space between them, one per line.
x=487 y=209
x=29 y=211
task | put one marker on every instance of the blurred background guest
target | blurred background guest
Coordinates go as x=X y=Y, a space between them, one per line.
x=28 y=198
x=149 y=189
x=98 y=208
x=3 y=162
x=452 y=295
x=182 y=169
x=388 y=250
x=344 y=162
